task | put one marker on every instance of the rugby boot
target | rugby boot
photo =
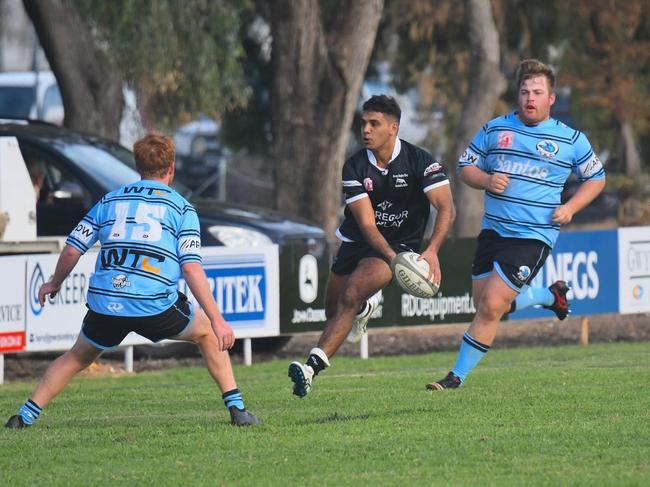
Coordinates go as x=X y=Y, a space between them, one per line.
x=451 y=381
x=560 y=306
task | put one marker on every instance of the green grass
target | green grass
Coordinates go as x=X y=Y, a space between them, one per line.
x=536 y=416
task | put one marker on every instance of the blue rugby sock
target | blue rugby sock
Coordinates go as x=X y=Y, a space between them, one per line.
x=470 y=354
x=534 y=296
x=29 y=412
x=233 y=398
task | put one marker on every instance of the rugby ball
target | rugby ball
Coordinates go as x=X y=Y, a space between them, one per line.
x=411 y=275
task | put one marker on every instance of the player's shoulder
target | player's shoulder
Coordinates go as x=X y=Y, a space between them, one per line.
x=415 y=153
x=499 y=123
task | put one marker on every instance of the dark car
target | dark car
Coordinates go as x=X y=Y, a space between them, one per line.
x=71 y=171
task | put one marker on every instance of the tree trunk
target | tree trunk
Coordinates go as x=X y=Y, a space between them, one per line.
x=317 y=77
x=90 y=85
x=630 y=156
x=486 y=86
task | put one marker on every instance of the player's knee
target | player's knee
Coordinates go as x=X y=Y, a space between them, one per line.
x=492 y=307
x=349 y=300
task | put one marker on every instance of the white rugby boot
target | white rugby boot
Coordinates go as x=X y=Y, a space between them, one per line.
x=360 y=322
x=301 y=375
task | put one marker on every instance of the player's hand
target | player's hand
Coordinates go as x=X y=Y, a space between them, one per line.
x=49 y=288
x=435 y=274
x=225 y=335
x=498 y=183
x=562 y=215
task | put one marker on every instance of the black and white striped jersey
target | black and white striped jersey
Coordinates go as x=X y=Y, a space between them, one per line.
x=397 y=192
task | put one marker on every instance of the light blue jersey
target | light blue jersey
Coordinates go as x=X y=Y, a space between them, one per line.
x=147 y=232
x=538 y=160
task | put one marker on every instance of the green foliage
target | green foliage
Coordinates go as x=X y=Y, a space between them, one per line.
x=183 y=58
x=538 y=416
x=606 y=62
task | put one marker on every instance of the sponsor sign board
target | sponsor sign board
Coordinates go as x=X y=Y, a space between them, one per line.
x=12 y=304
x=634 y=267
x=587 y=261
x=244 y=282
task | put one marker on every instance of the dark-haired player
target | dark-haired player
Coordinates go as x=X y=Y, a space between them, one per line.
x=389 y=187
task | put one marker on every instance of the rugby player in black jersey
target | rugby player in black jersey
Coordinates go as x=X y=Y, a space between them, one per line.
x=389 y=187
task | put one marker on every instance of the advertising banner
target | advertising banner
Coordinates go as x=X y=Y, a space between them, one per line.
x=634 y=265
x=12 y=304
x=244 y=282
x=588 y=262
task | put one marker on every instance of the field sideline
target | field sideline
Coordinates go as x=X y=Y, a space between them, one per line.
x=536 y=416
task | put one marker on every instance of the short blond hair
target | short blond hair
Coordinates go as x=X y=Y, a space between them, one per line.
x=532 y=68
x=154 y=155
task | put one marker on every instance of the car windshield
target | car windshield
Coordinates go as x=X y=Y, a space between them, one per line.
x=101 y=160
x=16 y=101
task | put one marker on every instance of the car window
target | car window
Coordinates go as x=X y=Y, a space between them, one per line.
x=105 y=162
x=52 y=182
x=52 y=98
x=16 y=101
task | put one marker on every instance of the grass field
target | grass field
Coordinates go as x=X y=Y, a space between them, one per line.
x=535 y=416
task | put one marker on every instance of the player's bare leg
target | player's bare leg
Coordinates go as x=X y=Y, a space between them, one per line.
x=56 y=378
x=371 y=275
x=63 y=369
x=217 y=361
x=220 y=367
x=494 y=299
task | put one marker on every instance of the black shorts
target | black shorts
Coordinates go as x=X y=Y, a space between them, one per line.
x=106 y=331
x=516 y=260
x=350 y=253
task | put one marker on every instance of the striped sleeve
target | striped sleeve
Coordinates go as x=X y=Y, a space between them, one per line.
x=86 y=232
x=476 y=151
x=586 y=164
x=189 y=237
x=353 y=188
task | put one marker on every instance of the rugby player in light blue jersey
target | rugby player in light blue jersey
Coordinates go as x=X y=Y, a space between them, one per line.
x=522 y=161
x=149 y=237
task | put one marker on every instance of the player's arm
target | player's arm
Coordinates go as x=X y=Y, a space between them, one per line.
x=365 y=216
x=441 y=199
x=477 y=178
x=67 y=261
x=587 y=192
x=194 y=275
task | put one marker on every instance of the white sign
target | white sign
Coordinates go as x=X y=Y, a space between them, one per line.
x=12 y=304
x=245 y=284
x=634 y=269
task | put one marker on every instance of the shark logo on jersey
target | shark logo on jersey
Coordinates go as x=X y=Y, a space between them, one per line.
x=120 y=281
x=432 y=169
x=505 y=140
x=547 y=148
x=367 y=184
x=384 y=205
x=524 y=273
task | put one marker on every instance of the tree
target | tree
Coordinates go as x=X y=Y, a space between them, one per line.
x=183 y=58
x=91 y=87
x=607 y=63
x=486 y=85
x=319 y=58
